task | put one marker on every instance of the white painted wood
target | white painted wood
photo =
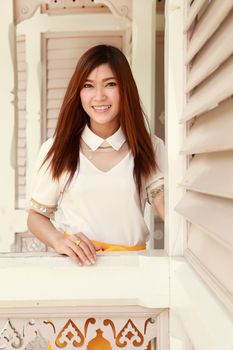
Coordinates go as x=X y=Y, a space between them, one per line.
x=7 y=141
x=131 y=327
x=211 y=92
x=21 y=122
x=211 y=173
x=143 y=66
x=175 y=228
x=212 y=55
x=205 y=320
x=217 y=12
x=218 y=262
x=116 y=279
x=162 y=340
x=214 y=215
x=75 y=22
x=193 y=12
x=211 y=131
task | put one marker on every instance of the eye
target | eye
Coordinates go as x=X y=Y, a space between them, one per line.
x=87 y=85
x=111 y=83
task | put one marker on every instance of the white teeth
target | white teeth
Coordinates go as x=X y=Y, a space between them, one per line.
x=101 y=108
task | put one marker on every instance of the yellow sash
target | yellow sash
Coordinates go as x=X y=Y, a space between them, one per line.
x=108 y=247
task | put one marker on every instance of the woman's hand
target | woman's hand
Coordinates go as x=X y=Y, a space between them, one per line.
x=78 y=247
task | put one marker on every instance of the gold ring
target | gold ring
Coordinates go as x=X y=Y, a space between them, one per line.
x=78 y=242
x=66 y=234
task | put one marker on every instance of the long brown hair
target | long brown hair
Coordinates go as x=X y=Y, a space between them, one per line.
x=64 y=153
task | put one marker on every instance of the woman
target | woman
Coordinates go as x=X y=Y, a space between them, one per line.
x=93 y=177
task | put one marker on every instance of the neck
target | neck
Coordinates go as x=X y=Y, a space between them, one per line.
x=104 y=131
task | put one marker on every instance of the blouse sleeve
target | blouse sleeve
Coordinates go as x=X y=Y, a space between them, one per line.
x=45 y=191
x=155 y=183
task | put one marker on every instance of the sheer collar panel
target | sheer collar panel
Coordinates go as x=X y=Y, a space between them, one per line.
x=94 y=141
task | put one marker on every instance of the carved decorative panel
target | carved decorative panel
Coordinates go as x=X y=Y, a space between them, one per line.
x=122 y=8
x=77 y=333
x=27 y=242
x=73 y=6
x=25 y=9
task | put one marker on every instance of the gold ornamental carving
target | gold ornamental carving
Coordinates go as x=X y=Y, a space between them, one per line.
x=121 y=8
x=129 y=334
x=70 y=334
x=99 y=342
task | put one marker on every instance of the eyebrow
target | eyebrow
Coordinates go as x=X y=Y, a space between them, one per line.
x=105 y=79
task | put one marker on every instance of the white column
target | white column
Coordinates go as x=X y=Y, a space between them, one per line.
x=143 y=53
x=33 y=99
x=7 y=124
x=175 y=229
x=143 y=64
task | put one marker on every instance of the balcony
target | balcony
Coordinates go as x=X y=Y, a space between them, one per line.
x=46 y=299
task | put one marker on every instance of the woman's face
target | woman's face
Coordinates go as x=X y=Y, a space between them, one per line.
x=100 y=99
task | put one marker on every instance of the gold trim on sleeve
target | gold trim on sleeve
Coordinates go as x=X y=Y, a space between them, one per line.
x=46 y=210
x=157 y=191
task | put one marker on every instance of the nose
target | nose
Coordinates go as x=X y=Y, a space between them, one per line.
x=99 y=93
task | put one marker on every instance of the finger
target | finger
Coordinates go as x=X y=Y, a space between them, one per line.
x=87 y=251
x=71 y=254
x=81 y=253
x=89 y=243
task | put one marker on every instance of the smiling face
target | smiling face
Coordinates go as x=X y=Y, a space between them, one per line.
x=100 y=99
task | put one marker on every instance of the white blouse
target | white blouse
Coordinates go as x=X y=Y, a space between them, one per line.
x=102 y=199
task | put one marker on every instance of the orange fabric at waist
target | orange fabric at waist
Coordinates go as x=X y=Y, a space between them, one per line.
x=108 y=247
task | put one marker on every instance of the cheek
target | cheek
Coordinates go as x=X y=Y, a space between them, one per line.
x=84 y=98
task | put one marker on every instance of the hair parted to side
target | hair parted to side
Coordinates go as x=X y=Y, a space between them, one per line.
x=64 y=153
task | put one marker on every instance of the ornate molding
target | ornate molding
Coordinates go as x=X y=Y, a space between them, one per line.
x=25 y=9
x=82 y=333
x=121 y=8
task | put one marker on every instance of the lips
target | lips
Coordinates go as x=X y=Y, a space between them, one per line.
x=101 y=108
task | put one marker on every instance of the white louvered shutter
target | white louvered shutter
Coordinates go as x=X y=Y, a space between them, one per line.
x=208 y=118
x=61 y=53
x=21 y=123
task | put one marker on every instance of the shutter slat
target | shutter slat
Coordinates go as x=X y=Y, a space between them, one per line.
x=218 y=261
x=65 y=54
x=69 y=42
x=193 y=12
x=64 y=64
x=211 y=92
x=60 y=73
x=54 y=104
x=214 y=53
x=211 y=173
x=52 y=123
x=58 y=83
x=53 y=113
x=207 y=204
x=211 y=131
x=199 y=208
x=56 y=93
x=209 y=22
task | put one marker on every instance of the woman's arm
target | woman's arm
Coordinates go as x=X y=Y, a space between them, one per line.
x=158 y=204
x=45 y=231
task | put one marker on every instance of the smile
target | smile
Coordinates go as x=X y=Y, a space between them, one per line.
x=101 y=108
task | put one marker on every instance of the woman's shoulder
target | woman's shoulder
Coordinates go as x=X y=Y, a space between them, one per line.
x=46 y=145
x=156 y=141
x=159 y=150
